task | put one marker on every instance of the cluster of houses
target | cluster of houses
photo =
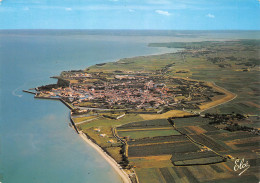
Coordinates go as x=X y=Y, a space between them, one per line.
x=76 y=75
x=131 y=91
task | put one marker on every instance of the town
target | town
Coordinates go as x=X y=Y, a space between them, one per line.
x=140 y=91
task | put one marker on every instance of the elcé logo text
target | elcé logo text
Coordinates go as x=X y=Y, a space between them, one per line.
x=241 y=165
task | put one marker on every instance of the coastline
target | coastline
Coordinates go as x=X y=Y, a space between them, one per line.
x=111 y=161
x=119 y=170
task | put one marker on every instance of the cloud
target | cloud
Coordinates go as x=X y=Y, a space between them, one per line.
x=131 y=10
x=210 y=15
x=166 y=13
x=159 y=2
x=68 y=9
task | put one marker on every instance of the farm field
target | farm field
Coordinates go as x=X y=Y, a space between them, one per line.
x=148 y=123
x=209 y=173
x=190 y=121
x=191 y=130
x=175 y=158
x=234 y=142
x=151 y=161
x=137 y=134
x=105 y=122
x=161 y=139
x=176 y=113
x=161 y=149
x=251 y=121
x=209 y=142
x=192 y=155
x=84 y=119
x=199 y=161
x=216 y=173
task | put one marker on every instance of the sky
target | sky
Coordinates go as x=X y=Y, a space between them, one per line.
x=131 y=14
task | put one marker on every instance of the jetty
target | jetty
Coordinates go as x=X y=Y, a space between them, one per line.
x=31 y=92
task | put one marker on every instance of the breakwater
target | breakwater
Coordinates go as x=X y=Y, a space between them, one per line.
x=64 y=102
x=27 y=91
x=73 y=123
x=46 y=98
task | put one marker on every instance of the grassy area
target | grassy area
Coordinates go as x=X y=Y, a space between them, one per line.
x=172 y=113
x=80 y=119
x=199 y=161
x=246 y=178
x=148 y=128
x=152 y=161
x=85 y=104
x=156 y=123
x=103 y=137
x=105 y=122
x=115 y=153
x=148 y=175
x=192 y=121
x=161 y=149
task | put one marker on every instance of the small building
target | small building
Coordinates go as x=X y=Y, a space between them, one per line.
x=96 y=129
x=110 y=141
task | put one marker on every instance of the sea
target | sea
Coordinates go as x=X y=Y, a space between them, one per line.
x=37 y=145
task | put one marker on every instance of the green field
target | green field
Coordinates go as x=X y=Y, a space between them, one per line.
x=148 y=175
x=146 y=124
x=159 y=139
x=192 y=121
x=161 y=149
x=105 y=122
x=147 y=133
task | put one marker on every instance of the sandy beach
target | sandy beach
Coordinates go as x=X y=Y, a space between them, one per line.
x=110 y=160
